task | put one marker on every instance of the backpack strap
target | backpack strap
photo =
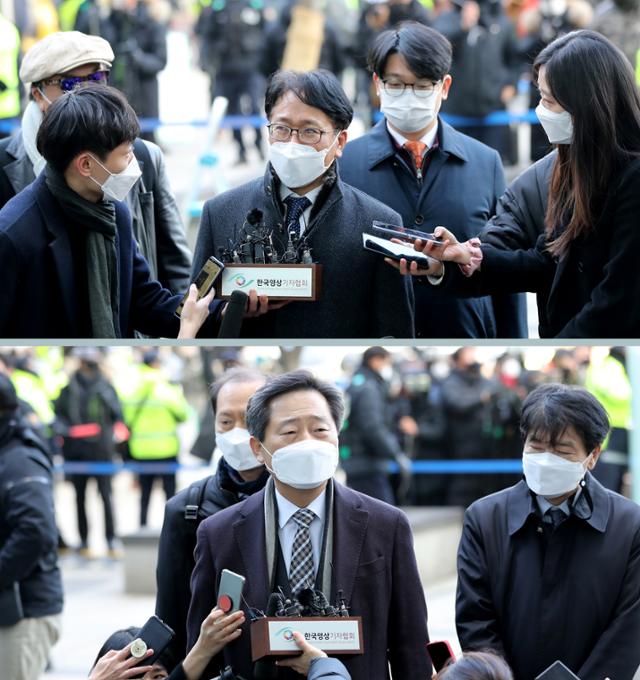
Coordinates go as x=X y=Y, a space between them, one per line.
x=195 y=499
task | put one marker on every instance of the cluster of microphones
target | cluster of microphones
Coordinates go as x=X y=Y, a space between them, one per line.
x=255 y=245
x=309 y=602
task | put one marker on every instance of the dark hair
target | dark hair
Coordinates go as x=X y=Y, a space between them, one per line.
x=233 y=375
x=477 y=666
x=121 y=638
x=592 y=80
x=553 y=408
x=319 y=89
x=258 y=409
x=374 y=352
x=427 y=52
x=94 y=118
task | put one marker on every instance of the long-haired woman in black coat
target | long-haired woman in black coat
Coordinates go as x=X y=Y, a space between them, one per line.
x=585 y=261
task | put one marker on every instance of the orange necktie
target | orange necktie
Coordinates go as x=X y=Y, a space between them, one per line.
x=416 y=149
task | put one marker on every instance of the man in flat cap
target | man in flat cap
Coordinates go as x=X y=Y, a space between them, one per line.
x=56 y=65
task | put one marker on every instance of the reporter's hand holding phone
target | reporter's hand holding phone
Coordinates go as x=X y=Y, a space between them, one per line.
x=194 y=313
x=215 y=632
x=120 y=665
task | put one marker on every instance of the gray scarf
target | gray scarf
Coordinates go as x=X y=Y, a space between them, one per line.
x=99 y=220
x=271 y=533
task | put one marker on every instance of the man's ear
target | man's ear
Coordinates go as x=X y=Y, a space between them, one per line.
x=38 y=98
x=83 y=164
x=595 y=454
x=257 y=449
x=446 y=86
x=342 y=140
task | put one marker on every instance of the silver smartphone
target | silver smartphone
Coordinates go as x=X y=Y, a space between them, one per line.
x=230 y=591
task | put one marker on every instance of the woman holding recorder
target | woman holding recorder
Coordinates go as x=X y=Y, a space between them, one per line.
x=583 y=266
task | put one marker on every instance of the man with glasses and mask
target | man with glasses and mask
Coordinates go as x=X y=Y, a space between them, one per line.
x=306 y=531
x=53 y=67
x=302 y=193
x=430 y=173
x=549 y=568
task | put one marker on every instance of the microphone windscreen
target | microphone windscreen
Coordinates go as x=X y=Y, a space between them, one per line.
x=233 y=315
x=274 y=604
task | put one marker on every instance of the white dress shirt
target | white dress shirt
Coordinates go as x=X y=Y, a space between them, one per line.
x=287 y=527
x=311 y=195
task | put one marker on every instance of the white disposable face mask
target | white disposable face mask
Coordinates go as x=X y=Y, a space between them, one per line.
x=550 y=475
x=407 y=112
x=298 y=164
x=235 y=448
x=557 y=126
x=119 y=184
x=386 y=373
x=306 y=464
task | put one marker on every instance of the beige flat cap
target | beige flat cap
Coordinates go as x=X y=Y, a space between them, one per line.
x=62 y=52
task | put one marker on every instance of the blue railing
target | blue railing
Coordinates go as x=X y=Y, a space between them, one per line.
x=420 y=467
x=236 y=122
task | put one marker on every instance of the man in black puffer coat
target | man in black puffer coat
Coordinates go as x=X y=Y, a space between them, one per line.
x=30 y=583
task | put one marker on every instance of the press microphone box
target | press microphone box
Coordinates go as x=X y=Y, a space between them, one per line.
x=277 y=281
x=273 y=636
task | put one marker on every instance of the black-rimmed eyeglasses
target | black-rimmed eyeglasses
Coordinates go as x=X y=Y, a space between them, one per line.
x=395 y=87
x=308 y=135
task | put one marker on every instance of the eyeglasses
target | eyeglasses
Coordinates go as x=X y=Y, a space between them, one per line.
x=395 y=87
x=71 y=82
x=282 y=133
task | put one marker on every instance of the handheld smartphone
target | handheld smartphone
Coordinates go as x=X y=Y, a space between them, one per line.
x=557 y=671
x=394 y=231
x=157 y=636
x=206 y=278
x=441 y=654
x=230 y=591
x=396 y=251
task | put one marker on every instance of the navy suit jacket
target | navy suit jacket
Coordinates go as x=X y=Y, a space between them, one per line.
x=37 y=277
x=460 y=190
x=373 y=563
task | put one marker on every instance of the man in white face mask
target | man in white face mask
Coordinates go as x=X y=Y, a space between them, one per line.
x=308 y=208
x=69 y=263
x=550 y=568
x=419 y=165
x=237 y=476
x=53 y=67
x=306 y=531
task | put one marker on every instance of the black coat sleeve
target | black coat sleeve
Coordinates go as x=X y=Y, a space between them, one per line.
x=174 y=256
x=616 y=654
x=173 y=571
x=30 y=517
x=476 y=619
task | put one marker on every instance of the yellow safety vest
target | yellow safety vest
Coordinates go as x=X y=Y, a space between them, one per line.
x=9 y=53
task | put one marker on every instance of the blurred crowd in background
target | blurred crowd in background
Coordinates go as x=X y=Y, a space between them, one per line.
x=406 y=406
x=239 y=43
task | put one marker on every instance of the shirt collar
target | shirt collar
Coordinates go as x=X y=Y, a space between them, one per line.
x=287 y=509
x=311 y=195
x=401 y=140
x=591 y=505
